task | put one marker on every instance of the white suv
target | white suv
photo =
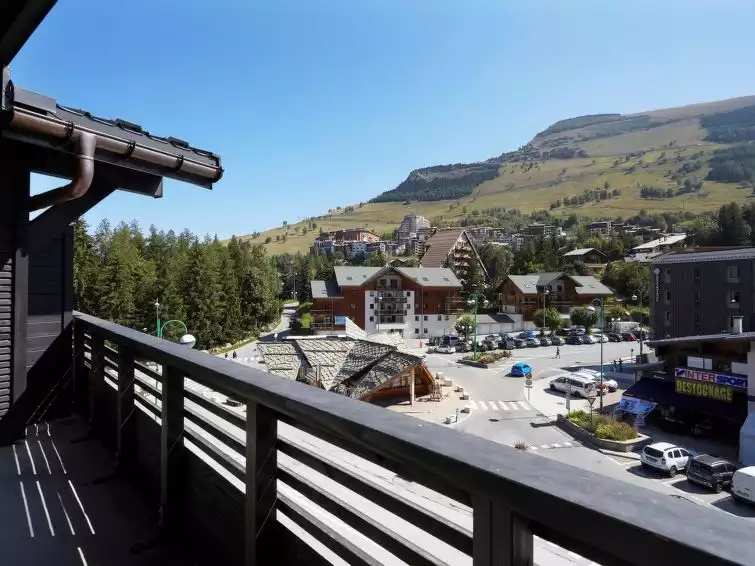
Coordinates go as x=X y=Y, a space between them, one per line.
x=665 y=457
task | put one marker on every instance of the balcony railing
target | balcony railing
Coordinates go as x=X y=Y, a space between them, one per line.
x=247 y=485
x=389 y=319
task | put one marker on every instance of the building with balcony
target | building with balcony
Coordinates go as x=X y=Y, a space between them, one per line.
x=594 y=260
x=602 y=228
x=451 y=248
x=700 y=291
x=523 y=294
x=540 y=230
x=412 y=224
x=647 y=251
x=122 y=448
x=413 y=301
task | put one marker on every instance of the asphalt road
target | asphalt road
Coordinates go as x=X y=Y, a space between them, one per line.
x=502 y=410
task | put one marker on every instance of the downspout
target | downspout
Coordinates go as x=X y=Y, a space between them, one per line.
x=85 y=145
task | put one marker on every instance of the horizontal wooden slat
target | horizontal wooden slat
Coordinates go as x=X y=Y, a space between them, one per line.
x=216 y=454
x=211 y=428
x=216 y=409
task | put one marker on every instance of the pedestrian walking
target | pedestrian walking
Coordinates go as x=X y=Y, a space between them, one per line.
x=235 y=355
x=621 y=364
x=558 y=352
x=226 y=355
x=613 y=365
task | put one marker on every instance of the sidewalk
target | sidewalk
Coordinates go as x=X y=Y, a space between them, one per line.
x=426 y=409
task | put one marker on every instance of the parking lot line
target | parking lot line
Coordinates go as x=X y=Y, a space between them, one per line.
x=674 y=481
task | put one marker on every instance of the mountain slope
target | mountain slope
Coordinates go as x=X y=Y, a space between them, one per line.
x=598 y=165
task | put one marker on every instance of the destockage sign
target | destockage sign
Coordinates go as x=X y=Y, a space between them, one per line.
x=730 y=380
x=700 y=389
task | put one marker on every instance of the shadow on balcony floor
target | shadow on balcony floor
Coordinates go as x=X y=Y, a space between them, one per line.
x=54 y=512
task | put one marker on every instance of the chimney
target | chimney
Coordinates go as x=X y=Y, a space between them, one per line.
x=736 y=325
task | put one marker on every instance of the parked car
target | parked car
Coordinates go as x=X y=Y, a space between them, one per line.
x=588 y=339
x=462 y=347
x=532 y=342
x=445 y=349
x=576 y=385
x=575 y=339
x=520 y=342
x=545 y=341
x=641 y=334
x=743 y=485
x=561 y=332
x=608 y=383
x=521 y=369
x=558 y=341
x=492 y=340
x=715 y=473
x=507 y=344
x=614 y=337
x=578 y=330
x=665 y=457
x=602 y=338
x=628 y=337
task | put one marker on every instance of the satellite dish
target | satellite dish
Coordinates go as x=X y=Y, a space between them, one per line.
x=187 y=340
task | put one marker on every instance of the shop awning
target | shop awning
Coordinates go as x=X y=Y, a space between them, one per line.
x=663 y=393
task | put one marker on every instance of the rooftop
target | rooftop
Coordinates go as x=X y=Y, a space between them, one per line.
x=705 y=254
x=585 y=285
x=440 y=244
x=727 y=337
x=669 y=240
x=582 y=251
x=350 y=276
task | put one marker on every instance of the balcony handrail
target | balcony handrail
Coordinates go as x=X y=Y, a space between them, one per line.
x=513 y=494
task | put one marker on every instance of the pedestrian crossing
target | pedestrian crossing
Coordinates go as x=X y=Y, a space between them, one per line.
x=562 y=444
x=500 y=406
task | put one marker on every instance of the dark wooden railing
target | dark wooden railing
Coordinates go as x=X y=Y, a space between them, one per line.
x=231 y=483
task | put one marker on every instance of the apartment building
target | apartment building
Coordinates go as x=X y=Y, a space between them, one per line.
x=649 y=250
x=413 y=301
x=412 y=224
x=524 y=294
x=538 y=229
x=602 y=228
x=453 y=248
x=701 y=290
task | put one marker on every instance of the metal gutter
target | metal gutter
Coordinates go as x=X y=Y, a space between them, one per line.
x=29 y=121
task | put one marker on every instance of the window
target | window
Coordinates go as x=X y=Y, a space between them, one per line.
x=732 y=273
x=734 y=298
x=697 y=296
x=372 y=319
x=372 y=307
x=372 y=293
x=353 y=293
x=416 y=318
x=353 y=306
x=667 y=296
x=381 y=282
x=439 y=308
x=446 y=317
x=667 y=275
x=440 y=317
x=426 y=308
x=416 y=330
x=408 y=293
x=416 y=307
x=424 y=331
x=425 y=317
x=697 y=274
x=698 y=318
x=667 y=317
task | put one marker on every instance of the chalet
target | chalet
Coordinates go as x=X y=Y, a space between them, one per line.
x=522 y=295
x=592 y=258
x=412 y=301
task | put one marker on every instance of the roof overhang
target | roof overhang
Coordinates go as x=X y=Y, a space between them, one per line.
x=40 y=121
x=18 y=20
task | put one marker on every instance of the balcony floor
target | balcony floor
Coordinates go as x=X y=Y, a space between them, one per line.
x=55 y=512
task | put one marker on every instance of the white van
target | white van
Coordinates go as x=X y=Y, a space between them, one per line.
x=743 y=484
x=576 y=385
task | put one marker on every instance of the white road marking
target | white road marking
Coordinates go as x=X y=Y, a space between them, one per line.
x=483 y=406
x=524 y=406
x=26 y=508
x=544 y=446
x=76 y=495
x=44 y=506
x=472 y=404
x=28 y=451
x=556 y=445
x=47 y=463
x=493 y=405
x=65 y=512
x=674 y=481
x=18 y=464
x=503 y=405
x=62 y=467
x=567 y=444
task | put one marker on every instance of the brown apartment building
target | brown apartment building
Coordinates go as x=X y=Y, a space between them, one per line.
x=413 y=301
x=524 y=294
x=350 y=235
x=452 y=248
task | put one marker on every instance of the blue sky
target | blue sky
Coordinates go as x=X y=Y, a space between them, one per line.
x=314 y=104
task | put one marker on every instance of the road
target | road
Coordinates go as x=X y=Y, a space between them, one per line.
x=250 y=350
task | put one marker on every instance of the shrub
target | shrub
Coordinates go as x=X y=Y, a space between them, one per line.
x=521 y=445
x=615 y=430
x=490 y=357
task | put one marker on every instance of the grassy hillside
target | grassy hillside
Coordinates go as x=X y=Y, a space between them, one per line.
x=624 y=152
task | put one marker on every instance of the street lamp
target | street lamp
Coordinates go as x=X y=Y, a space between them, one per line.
x=545 y=298
x=634 y=298
x=591 y=308
x=475 y=299
x=185 y=340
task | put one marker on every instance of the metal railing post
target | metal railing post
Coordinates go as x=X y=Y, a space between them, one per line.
x=96 y=379
x=171 y=449
x=125 y=435
x=261 y=468
x=500 y=536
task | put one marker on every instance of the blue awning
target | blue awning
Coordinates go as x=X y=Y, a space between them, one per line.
x=662 y=392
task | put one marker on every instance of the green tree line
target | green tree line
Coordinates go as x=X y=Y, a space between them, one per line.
x=223 y=293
